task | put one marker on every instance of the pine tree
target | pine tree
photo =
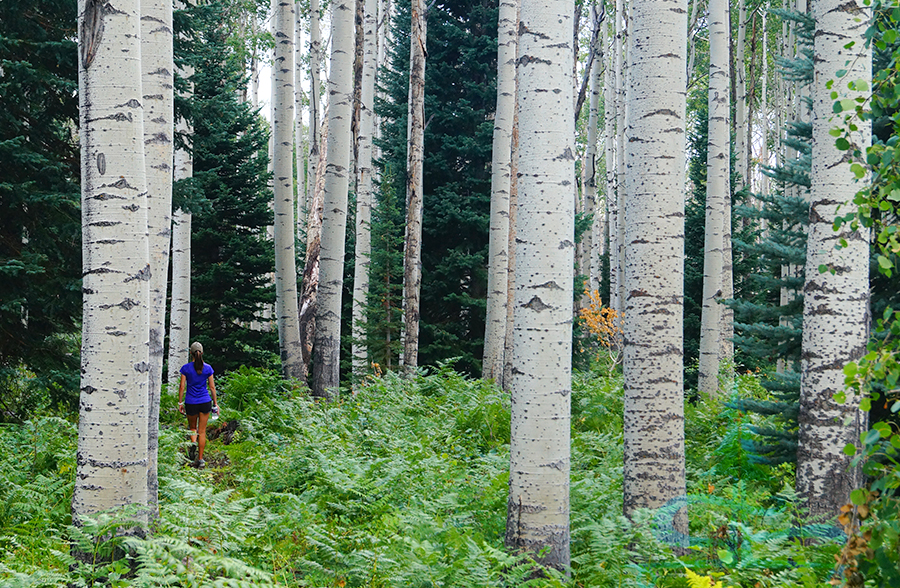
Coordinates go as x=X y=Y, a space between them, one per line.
x=40 y=224
x=230 y=198
x=460 y=98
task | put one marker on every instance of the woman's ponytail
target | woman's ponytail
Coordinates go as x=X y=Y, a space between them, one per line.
x=197 y=356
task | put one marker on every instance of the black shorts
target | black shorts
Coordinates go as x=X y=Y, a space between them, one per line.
x=192 y=409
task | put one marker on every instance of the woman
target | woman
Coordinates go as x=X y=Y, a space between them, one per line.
x=197 y=377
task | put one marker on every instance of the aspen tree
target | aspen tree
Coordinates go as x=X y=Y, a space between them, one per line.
x=326 y=361
x=283 y=166
x=617 y=253
x=741 y=142
x=301 y=148
x=180 y=307
x=538 y=504
x=315 y=132
x=836 y=300
x=654 y=471
x=717 y=192
x=112 y=427
x=415 y=159
x=498 y=247
x=364 y=190
x=157 y=69
x=589 y=169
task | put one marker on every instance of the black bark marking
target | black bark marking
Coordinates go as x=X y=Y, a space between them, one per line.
x=101 y=163
x=536 y=304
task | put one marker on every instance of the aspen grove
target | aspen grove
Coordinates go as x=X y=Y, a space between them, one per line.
x=551 y=293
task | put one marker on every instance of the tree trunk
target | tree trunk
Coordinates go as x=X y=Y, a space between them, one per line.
x=180 y=309
x=415 y=159
x=836 y=302
x=718 y=191
x=157 y=68
x=315 y=92
x=654 y=472
x=590 y=153
x=283 y=140
x=538 y=504
x=508 y=350
x=300 y=140
x=310 y=284
x=617 y=218
x=112 y=427
x=740 y=108
x=498 y=248
x=364 y=191
x=326 y=360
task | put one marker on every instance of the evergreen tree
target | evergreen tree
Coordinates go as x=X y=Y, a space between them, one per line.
x=40 y=224
x=231 y=257
x=460 y=97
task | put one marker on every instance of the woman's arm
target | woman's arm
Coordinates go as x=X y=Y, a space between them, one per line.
x=212 y=389
x=181 y=387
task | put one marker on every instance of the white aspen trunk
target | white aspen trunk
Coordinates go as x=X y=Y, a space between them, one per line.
x=718 y=165
x=498 y=246
x=609 y=107
x=617 y=253
x=283 y=165
x=589 y=168
x=180 y=307
x=315 y=133
x=326 y=361
x=696 y=9
x=763 y=115
x=157 y=68
x=254 y=65
x=538 y=505
x=836 y=305
x=112 y=427
x=364 y=191
x=740 y=108
x=509 y=350
x=415 y=159
x=654 y=471
x=300 y=147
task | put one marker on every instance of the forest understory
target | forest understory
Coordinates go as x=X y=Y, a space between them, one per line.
x=403 y=484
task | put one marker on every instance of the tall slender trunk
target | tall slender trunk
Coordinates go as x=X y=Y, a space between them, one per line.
x=654 y=471
x=415 y=159
x=157 y=68
x=326 y=359
x=498 y=246
x=112 y=426
x=740 y=106
x=590 y=153
x=310 y=285
x=836 y=302
x=180 y=308
x=301 y=149
x=315 y=133
x=538 y=504
x=609 y=111
x=364 y=190
x=283 y=166
x=718 y=190
x=617 y=253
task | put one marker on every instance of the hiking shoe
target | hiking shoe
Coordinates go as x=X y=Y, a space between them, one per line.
x=201 y=463
x=192 y=452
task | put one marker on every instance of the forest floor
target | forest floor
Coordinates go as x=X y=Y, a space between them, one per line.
x=402 y=485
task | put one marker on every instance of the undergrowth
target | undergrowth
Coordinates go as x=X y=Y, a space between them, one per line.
x=402 y=484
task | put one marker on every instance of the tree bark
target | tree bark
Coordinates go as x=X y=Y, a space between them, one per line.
x=112 y=429
x=654 y=472
x=718 y=190
x=364 y=191
x=538 y=504
x=415 y=159
x=283 y=166
x=836 y=302
x=498 y=247
x=590 y=153
x=315 y=92
x=326 y=360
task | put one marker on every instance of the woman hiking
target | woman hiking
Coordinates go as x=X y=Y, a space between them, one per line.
x=197 y=379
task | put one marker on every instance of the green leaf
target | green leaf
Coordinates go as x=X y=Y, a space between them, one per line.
x=872 y=436
x=896 y=406
x=837 y=108
x=725 y=556
x=890 y=36
x=840 y=73
x=850 y=449
x=850 y=369
x=884 y=262
x=859 y=85
x=858 y=170
x=835 y=132
x=848 y=104
x=858 y=496
x=842 y=143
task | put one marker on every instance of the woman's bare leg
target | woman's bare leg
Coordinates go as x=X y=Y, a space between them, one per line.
x=192 y=425
x=201 y=433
